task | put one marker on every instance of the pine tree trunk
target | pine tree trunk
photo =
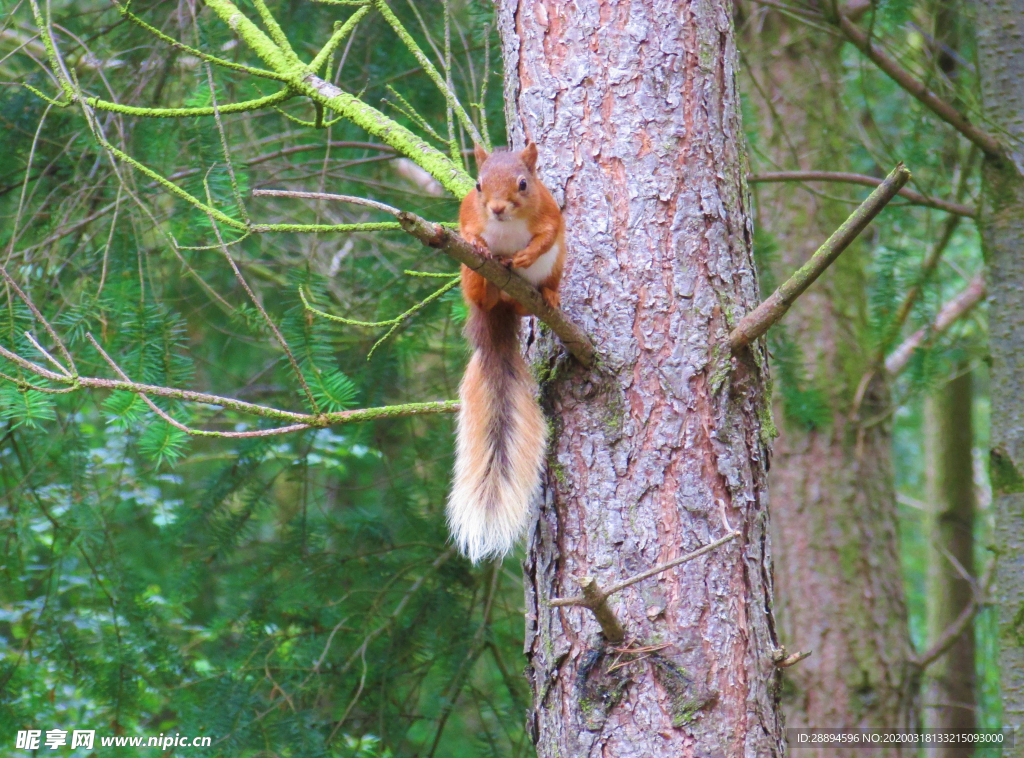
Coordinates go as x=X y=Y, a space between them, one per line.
x=1001 y=222
x=635 y=109
x=949 y=697
x=839 y=589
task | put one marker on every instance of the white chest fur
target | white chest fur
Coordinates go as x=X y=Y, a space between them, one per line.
x=506 y=238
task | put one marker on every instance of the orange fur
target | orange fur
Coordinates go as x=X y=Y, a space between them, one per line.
x=501 y=430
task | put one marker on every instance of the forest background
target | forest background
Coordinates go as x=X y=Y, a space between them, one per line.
x=296 y=594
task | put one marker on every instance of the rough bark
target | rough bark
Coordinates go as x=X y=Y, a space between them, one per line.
x=949 y=695
x=838 y=585
x=1001 y=222
x=636 y=112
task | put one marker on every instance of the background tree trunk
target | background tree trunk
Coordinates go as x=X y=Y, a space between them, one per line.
x=838 y=579
x=637 y=115
x=1001 y=222
x=949 y=696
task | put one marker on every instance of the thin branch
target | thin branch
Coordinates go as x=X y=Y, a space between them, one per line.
x=276 y=32
x=47 y=355
x=785 y=661
x=910 y=298
x=341 y=31
x=758 y=321
x=436 y=236
x=927 y=266
x=39 y=316
x=952 y=311
x=916 y=198
x=263 y=312
x=307 y=83
x=298 y=421
x=595 y=599
x=431 y=71
x=327 y=196
x=891 y=68
x=961 y=624
x=123 y=10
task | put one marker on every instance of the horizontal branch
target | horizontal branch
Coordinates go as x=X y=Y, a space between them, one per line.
x=758 y=321
x=450 y=243
x=241 y=107
x=595 y=599
x=785 y=661
x=353 y=199
x=916 y=198
x=661 y=567
x=916 y=88
x=951 y=312
x=296 y=421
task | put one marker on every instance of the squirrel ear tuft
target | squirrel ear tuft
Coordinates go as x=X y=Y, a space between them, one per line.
x=481 y=155
x=529 y=155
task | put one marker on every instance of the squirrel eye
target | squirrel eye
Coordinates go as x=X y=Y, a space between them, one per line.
x=522 y=185
x=478 y=189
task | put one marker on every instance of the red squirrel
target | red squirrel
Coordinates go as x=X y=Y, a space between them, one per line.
x=512 y=217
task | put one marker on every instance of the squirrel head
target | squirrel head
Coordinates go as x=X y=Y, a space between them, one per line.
x=507 y=181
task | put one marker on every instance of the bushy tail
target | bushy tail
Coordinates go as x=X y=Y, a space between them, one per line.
x=501 y=439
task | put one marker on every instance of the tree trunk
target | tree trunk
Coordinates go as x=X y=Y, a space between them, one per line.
x=949 y=699
x=839 y=585
x=637 y=115
x=1001 y=222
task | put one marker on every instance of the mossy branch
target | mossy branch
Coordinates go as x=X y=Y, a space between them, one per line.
x=431 y=71
x=245 y=106
x=295 y=421
x=769 y=312
x=341 y=32
x=123 y=10
x=394 y=323
x=448 y=242
x=304 y=81
x=524 y=293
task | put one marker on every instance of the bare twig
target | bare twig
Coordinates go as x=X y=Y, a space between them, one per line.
x=263 y=312
x=784 y=661
x=955 y=309
x=758 y=321
x=597 y=601
x=327 y=196
x=958 y=209
x=594 y=595
x=962 y=622
x=39 y=317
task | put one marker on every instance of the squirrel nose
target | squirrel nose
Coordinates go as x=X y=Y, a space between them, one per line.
x=498 y=208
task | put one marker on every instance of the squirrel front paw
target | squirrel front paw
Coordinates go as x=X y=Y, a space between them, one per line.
x=479 y=247
x=522 y=259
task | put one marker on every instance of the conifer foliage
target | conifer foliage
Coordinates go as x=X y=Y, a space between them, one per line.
x=206 y=533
